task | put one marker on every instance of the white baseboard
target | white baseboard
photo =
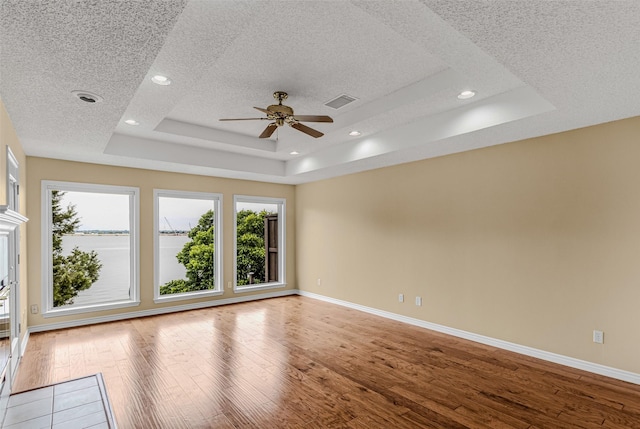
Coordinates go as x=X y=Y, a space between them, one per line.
x=506 y=345
x=156 y=311
x=595 y=368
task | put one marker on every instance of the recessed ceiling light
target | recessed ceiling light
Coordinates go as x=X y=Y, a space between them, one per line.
x=131 y=122
x=161 y=80
x=466 y=94
x=355 y=133
x=294 y=153
x=87 y=97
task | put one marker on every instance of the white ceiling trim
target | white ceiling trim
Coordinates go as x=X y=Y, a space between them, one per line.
x=497 y=110
x=147 y=149
x=507 y=107
x=185 y=129
x=405 y=61
x=421 y=90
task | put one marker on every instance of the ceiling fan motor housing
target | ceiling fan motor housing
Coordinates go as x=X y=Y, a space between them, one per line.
x=280 y=110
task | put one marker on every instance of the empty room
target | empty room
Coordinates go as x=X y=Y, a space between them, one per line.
x=319 y=214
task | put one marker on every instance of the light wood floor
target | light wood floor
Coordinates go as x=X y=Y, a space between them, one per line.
x=302 y=363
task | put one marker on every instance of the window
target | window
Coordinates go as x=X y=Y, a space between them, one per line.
x=259 y=250
x=89 y=247
x=188 y=259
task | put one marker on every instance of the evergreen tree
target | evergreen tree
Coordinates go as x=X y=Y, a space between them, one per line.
x=197 y=257
x=76 y=271
x=251 y=250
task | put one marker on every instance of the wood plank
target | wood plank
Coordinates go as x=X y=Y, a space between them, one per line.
x=295 y=362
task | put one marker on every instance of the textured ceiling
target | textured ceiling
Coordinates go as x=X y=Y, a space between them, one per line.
x=538 y=67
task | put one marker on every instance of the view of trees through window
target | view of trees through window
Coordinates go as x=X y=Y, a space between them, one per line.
x=92 y=256
x=90 y=248
x=186 y=244
x=256 y=243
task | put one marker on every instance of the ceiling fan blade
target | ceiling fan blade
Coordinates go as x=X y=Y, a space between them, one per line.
x=245 y=119
x=312 y=118
x=307 y=130
x=268 y=131
x=262 y=110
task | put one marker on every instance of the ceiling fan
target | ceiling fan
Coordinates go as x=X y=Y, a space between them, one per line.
x=281 y=114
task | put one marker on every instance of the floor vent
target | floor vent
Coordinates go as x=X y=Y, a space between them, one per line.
x=340 y=101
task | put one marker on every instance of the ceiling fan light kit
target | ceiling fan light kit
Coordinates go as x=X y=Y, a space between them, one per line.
x=282 y=114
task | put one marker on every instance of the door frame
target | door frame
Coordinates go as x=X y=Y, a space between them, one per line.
x=13 y=203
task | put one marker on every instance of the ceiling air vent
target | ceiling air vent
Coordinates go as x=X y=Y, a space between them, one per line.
x=340 y=101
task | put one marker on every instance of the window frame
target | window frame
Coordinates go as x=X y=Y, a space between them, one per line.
x=282 y=254
x=218 y=250
x=48 y=310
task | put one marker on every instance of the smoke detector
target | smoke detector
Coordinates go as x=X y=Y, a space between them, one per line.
x=87 y=97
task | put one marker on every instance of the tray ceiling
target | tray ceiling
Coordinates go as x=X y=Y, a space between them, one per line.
x=538 y=67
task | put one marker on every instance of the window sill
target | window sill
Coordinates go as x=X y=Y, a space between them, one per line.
x=188 y=295
x=89 y=308
x=240 y=289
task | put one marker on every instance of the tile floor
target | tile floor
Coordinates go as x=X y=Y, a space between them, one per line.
x=75 y=404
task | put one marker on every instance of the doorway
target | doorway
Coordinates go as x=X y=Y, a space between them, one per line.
x=10 y=221
x=13 y=203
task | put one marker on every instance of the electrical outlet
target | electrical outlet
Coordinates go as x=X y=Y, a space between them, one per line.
x=401 y=297
x=229 y=285
x=418 y=301
x=34 y=309
x=598 y=337
x=319 y=282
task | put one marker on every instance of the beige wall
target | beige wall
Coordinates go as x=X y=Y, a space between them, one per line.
x=9 y=138
x=535 y=242
x=48 y=169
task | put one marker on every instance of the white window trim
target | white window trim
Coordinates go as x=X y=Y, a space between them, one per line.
x=13 y=178
x=282 y=254
x=47 y=258
x=217 y=220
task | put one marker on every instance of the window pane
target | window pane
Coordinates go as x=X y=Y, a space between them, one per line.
x=91 y=248
x=186 y=240
x=256 y=243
